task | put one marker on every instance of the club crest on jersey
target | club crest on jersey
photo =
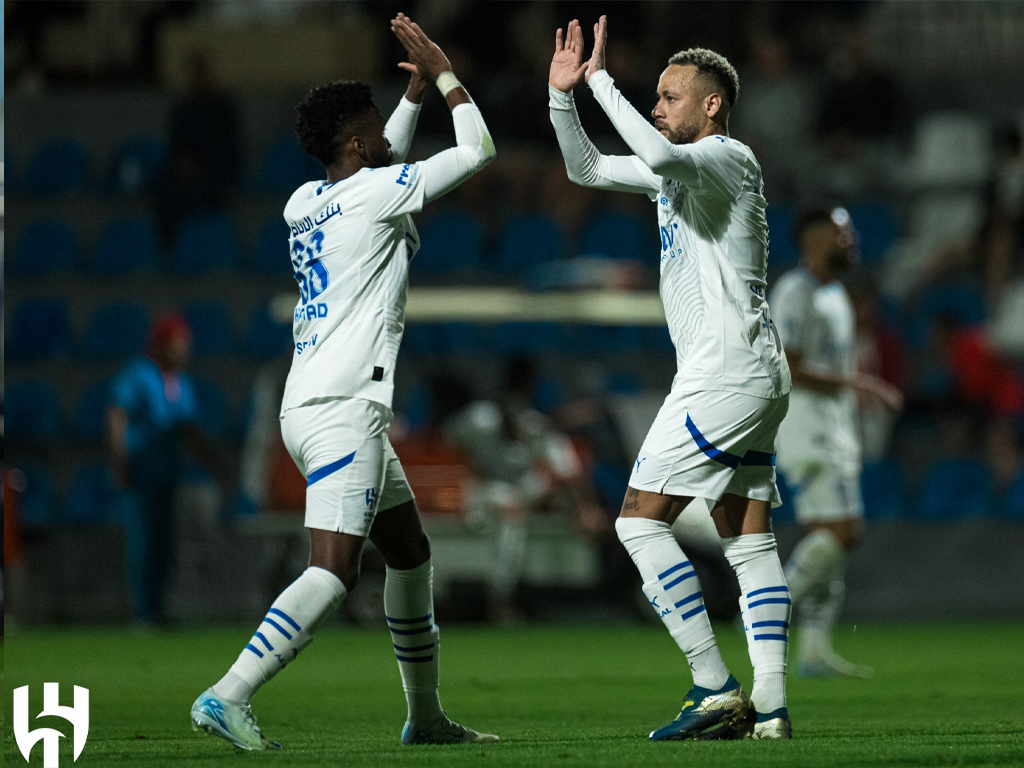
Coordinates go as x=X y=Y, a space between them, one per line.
x=371 y=498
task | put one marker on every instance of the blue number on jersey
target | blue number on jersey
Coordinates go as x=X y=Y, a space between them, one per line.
x=310 y=273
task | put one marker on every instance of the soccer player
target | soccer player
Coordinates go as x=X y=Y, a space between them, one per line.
x=819 y=449
x=352 y=238
x=714 y=436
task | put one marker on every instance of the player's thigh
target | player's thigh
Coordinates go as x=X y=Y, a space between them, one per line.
x=653 y=506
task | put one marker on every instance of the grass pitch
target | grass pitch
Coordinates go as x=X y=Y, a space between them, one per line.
x=581 y=695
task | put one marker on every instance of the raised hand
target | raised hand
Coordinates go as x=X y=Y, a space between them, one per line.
x=596 y=62
x=567 y=65
x=425 y=58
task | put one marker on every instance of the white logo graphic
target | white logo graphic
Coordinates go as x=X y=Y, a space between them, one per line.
x=77 y=715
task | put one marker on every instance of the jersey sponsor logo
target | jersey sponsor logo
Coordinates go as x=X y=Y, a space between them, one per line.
x=303 y=225
x=403 y=177
x=331 y=210
x=305 y=344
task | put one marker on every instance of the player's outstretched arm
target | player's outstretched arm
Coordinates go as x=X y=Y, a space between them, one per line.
x=474 y=148
x=657 y=153
x=402 y=124
x=584 y=164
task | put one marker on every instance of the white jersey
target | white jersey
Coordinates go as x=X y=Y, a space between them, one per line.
x=714 y=241
x=817 y=320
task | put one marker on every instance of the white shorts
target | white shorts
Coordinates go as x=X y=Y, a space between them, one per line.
x=341 y=447
x=707 y=444
x=824 y=492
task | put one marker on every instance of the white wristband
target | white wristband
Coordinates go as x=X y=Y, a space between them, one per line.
x=447 y=82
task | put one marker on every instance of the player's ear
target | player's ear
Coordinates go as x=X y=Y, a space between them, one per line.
x=713 y=104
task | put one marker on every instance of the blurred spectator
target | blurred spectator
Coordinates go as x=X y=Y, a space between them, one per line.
x=1005 y=451
x=520 y=466
x=979 y=376
x=153 y=410
x=1002 y=236
x=204 y=161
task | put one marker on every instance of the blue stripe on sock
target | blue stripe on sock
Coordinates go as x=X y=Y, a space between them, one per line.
x=268 y=645
x=694 y=612
x=414 y=659
x=772 y=637
x=414 y=649
x=254 y=649
x=681 y=579
x=690 y=599
x=783 y=624
x=766 y=589
x=412 y=631
x=771 y=601
x=673 y=569
x=428 y=617
x=286 y=617
x=277 y=626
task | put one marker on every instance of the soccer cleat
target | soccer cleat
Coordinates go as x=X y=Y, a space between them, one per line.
x=704 y=709
x=738 y=728
x=444 y=730
x=773 y=725
x=232 y=721
x=831 y=664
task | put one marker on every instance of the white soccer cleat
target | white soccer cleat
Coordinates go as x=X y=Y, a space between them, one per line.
x=444 y=730
x=773 y=725
x=232 y=721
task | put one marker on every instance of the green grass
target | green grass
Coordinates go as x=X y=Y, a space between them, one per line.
x=582 y=695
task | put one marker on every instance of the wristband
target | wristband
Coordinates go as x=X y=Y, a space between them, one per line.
x=447 y=82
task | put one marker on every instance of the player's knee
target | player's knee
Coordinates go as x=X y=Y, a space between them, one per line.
x=348 y=573
x=850 y=535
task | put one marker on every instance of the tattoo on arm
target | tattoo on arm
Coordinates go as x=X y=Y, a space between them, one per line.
x=632 y=500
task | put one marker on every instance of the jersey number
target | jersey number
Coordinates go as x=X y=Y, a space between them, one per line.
x=310 y=273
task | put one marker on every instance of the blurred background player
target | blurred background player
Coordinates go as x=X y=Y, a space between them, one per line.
x=819 y=445
x=153 y=411
x=352 y=239
x=714 y=436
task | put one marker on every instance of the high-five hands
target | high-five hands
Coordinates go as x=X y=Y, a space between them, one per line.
x=425 y=58
x=567 y=65
x=596 y=62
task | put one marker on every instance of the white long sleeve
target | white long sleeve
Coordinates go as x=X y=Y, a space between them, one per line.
x=474 y=150
x=585 y=165
x=664 y=158
x=400 y=129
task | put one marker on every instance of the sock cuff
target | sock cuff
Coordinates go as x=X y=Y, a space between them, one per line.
x=748 y=546
x=328 y=580
x=634 y=527
x=422 y=572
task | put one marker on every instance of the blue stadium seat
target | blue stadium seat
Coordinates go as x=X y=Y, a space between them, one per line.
x=59 y=166
x=962 y=300
x=213 y=415
x=619 y=236
x=93 y=499
x=782 y=251
x=1012 y=504
x=39 y=328
x=89 y=419
x=37 y=504
x=211 y=325
x=136 y=163
x=116 y=331
x=607 y=339
x=286 y=167
x=954 y=489
x=530 y=239
x=529 y=338
x=883 y=488
x=270 y=252
x=126 y=245
x=450 y=242
x=266 y=337
x=31 y=412
x=205 y=243
x=878 y=227
x=44 y=246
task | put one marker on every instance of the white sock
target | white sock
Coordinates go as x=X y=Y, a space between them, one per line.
x=815 y=574
x=409 y=607
x=511 y=557
x=671 y=585
x=766 y=608
x=287 y=628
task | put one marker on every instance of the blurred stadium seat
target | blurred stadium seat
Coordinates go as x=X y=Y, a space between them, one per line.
x=211 y=325
x=619 y=236
x=529 y=239
x=126 y=245
x=270 y=251
x=265 y=337
x=285 y=167
x=44 y=246
x=37 y=502
x=136 y=163
x=451 y=241
x=878 y=227
x=213 y=414
x=962 y=301
x=92 y=498
x=89 y=419
x=39 y=328
x=1012 y=503
x=951 y=149
x=115 y=331
x=954 y=489
x=787 y=511
x=31 y=412
x=782 y=253
x=205 y=243
x=938 y=219
x=529 y=338
x=883 y=488
x=58 y=166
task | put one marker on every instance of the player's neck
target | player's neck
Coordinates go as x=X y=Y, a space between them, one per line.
x=712 y=129
x=817 y=271
x=342 y=169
